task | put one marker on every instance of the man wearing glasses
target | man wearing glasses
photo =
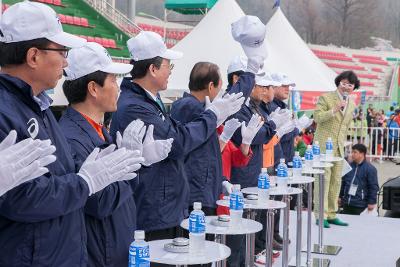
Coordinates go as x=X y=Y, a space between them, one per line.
x=333 y=115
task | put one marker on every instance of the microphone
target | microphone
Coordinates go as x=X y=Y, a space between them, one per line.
x=345 y=95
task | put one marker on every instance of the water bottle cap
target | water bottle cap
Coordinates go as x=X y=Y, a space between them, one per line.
x=197 y=205
x=297 y=153
x=139 y=235
x=316 y=142
x=236 y=187
x=329 y=139
x=282 y=160
x=264 y=169
x=309 y=147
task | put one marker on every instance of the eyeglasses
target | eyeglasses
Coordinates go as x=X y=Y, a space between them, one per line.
x=63 y=51
x=347 y=85
x=170 y=66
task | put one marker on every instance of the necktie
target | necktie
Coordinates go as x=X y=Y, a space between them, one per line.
x=160 y=103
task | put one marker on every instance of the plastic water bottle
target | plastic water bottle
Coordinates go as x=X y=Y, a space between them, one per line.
x=329 y=148
x=309 y=157
x=282 y=175
x=139 y=255
x=197 y=229
x=263 y=186
x=316 y=151
x=297 y=165
x=236 y=203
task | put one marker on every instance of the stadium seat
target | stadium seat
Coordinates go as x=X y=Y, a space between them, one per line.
x=344 y=66
x=76 y=21
x=62 y=18
x=57 y=3
x=90 y=39
x=368 y=76
x=366 y=57
x=374 y=61
x=84 y=22
x=98 y=40
x=368 y=84
x=320 y=52
x=69 y=20
x=377 y=69
x=112 y=43
x=331 y=57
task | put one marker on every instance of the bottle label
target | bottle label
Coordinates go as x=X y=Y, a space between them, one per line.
x=297 y=163
x=282 y=172
x=197 y=223
x=309 y=155
x=139 y=256
x=316 y=150
x=236 y=202
x=263 y=182
x=329 y=146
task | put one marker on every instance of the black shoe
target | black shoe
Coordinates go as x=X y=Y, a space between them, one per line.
x=276 y=245
x=278 y=238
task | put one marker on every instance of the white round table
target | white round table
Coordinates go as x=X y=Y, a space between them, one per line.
x=312 y=171
x=271 y=206
x=324 y=158
x=322 y=164
x=213 y=252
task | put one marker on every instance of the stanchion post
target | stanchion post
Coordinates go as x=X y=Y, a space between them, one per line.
x=285 y=252
x=321 y=212
x=269 y=237
x=250 y=241
x=299 y=229
x=309 y=209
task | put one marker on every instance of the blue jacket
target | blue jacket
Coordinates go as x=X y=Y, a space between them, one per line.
x=110 y=214
x=203 y=165
x=245 y=84
x=363 y=175
x=248 y=176
x=162 y=196
x=41 y=221
x=285 y=147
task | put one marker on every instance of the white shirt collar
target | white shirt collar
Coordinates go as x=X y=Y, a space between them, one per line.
x=154 y=97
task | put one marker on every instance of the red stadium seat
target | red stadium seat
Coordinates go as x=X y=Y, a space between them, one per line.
x=374 y=61
x=344 y=66
x=62 y=18
x=98 y=40
x=84 y=22
x=50 y=2
x=377 y=69
x=90 y=39
x=69 y=20
x=57 y=3
x=76 y=21
x=112 y=43
x=366 y=57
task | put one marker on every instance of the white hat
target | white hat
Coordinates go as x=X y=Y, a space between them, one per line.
x=238 y=63
x=266 y=80
x=283 y=79
x=250 y=32
x=26 y=21
x=148 y=45
x=91 y=58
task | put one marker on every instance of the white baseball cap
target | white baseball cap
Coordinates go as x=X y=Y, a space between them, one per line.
x=238 y=63
x=148 y=45
x=26 y=21
x=250 y=32
x=91 y=58
x=266 y=80
x=283 y=79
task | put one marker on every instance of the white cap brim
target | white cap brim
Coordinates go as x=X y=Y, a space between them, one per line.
x=67 y=40
x=171 y=54
x=268 y=83
x=118 y=68
x=288 y=83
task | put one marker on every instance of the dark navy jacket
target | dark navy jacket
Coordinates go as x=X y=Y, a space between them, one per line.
x=41 y=221
x=110 y=214
x=162 y=196
x=363 y=175
x=245 y=84
x=248 y=176
x=204 y=164
x=285 y=147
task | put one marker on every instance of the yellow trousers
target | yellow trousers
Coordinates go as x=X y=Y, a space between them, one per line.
x=333 y=182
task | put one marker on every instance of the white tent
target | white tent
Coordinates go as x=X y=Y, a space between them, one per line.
x=211 y=40
x=289 y=54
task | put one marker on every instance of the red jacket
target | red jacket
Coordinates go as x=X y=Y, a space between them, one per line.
x=232 y=156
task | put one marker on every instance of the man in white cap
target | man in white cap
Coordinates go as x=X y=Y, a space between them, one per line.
x=42 y=220
x=91 y=89
x=162 y=194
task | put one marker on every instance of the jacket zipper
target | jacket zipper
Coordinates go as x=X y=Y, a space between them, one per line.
x=352 y=181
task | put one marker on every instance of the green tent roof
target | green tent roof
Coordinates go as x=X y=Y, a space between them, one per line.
x=189 y=6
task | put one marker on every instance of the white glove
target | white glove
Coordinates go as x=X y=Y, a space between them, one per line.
x=133 y=136
x=255 y=63
x=249 y=132
x=230 y=128
x=285 y=128
x=227 y=187
x=23 y=161
x=155 y=150
x=303 y=123
x=119 y=165
x=280 y=117
x=224 y=106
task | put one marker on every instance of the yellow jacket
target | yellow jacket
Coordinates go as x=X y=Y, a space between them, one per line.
x=332 y=125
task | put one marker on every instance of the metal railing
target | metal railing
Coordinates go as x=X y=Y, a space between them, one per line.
x=115 y=16
x=382 y=142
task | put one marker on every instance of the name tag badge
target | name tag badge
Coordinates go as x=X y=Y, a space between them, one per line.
x=353 y=189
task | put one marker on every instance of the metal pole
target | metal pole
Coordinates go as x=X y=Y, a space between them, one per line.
x=221 y=239
x=285 y=252
x=299 y=230
x=309 y=208
x=269 y=237
x=321 y=212
x=250 y=242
